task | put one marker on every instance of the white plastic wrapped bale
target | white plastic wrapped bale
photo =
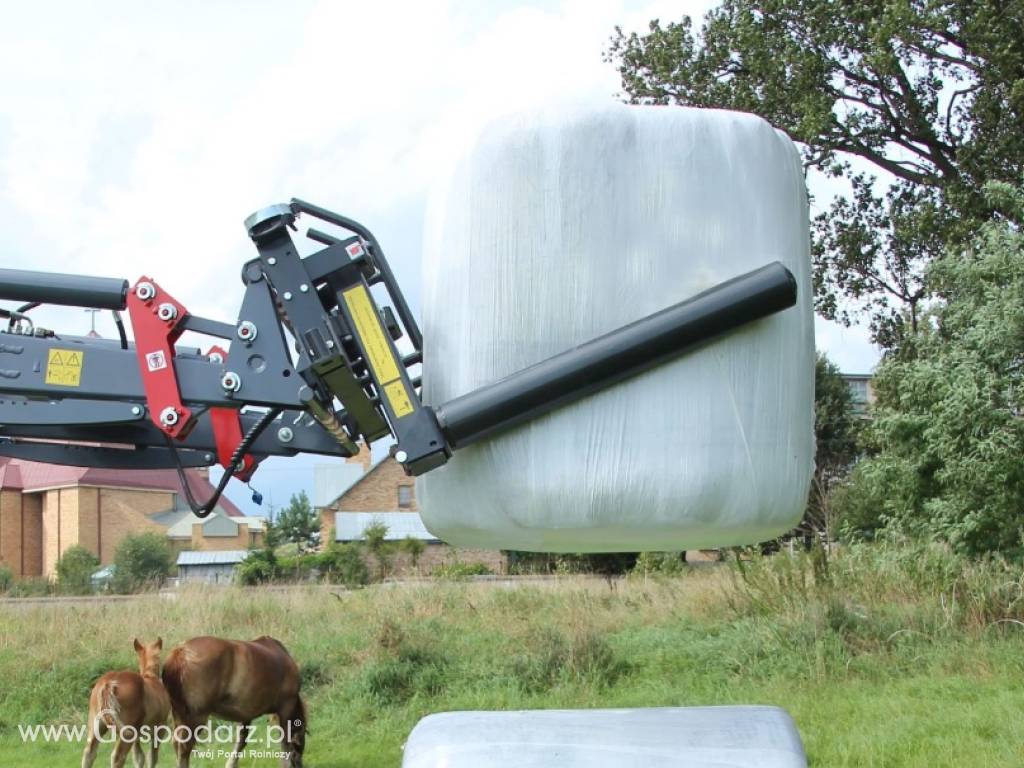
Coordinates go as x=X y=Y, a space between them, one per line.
x=671 y=737
x=555 y=228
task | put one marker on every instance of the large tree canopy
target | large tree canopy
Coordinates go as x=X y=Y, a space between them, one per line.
x=947 y=435
x=927 y=93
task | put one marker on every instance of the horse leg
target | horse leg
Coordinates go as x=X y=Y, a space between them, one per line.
x=243 y=734
x=183 y=744
x=154 y=750
x=121 y=753
x=97 y=728
x=137 y=757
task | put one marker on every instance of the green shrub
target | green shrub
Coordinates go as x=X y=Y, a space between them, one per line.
x=344 y=564
x=142 y=560
x=259 y=567
x=659 y=563
x=460 y=570
x=36 y=586
x=75 y=569
x=6 y=578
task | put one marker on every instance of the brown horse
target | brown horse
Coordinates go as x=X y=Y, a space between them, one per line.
x=237 y=681
x=133 y=705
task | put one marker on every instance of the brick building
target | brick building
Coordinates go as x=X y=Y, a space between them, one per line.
x=47 y=508
x=384 y=493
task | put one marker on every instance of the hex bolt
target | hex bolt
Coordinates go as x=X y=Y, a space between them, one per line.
x=285 y=434
x=401 y=457
x=167 y=312
x=168 y=417
x=287 y=295
x=247 y=331
x=216 y=357
x=231 y=381
x=145 y=291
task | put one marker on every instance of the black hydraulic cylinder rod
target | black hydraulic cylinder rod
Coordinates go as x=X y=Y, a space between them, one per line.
x=625 y=352
x=69 y=290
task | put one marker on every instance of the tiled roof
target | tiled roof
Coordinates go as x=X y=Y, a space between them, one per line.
x=35 y=476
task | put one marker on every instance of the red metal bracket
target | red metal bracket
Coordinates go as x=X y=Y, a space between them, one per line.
x=157 y=322
x=227 y=431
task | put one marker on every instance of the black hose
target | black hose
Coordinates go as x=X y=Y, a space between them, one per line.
x=243 y=447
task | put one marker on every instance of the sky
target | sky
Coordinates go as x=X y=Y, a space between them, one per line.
x=136 y=137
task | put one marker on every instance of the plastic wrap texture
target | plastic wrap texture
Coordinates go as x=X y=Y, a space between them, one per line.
x=676 y=737
x=555 y=228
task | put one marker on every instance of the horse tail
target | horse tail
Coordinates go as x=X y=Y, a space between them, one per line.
x=301 y=714
x=110 y=706
x=174 y=681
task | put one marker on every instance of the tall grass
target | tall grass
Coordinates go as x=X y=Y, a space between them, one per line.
x=868 y=649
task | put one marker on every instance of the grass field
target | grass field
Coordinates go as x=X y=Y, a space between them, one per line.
x=894 y=657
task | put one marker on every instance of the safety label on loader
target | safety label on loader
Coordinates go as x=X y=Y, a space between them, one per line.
x=64 y=367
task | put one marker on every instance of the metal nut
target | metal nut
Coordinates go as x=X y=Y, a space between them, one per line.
x=231 y=381
x=167 y=312
x=145 y=291
x=168 y=417
x=285 y=434
x=247 y=330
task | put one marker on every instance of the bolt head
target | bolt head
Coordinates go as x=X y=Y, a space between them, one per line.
x=272 y=261
x=136 y=410
x=285 y=434
x=246 y=330
x=168 y=417
x=216 y=357
x=167 y=312
x=401 y=457
x=145 y=291
x=304 y=288
x=287 y=295
x=231 y=382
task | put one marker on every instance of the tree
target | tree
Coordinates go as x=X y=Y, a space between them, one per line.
x=259 y=567
x=75 y=569
x=298 y=523
x=835 y=433
x=375 y=535
x=925 y=92
x=414 y=548
x=141 y=560
x=947 y=434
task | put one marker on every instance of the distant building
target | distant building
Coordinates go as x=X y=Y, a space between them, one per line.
x=47 y=508
x=383 y=493
x=861 y=390
x=212 y=567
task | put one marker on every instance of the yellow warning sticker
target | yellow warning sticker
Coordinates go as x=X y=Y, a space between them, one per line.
x=398 y=397
x=64 y=367
x=371 y=332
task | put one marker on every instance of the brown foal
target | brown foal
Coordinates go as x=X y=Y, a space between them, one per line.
x=237 y=681
x=129 y=703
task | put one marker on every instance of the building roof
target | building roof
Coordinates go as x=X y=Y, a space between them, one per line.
x=35 y=476
x=349 y=526
x=215 y=557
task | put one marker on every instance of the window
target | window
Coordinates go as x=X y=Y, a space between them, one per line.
x=404 y=496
